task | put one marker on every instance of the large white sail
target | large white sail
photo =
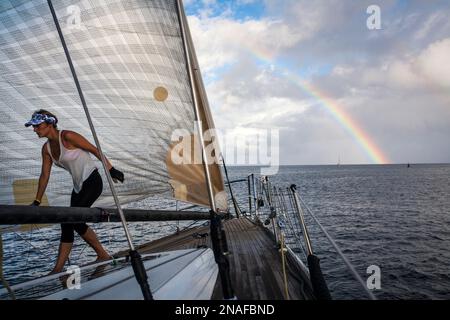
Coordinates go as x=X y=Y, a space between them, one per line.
x=130 y=60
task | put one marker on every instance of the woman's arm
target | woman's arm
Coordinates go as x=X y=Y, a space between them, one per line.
x=45 y=173
x=76 y=140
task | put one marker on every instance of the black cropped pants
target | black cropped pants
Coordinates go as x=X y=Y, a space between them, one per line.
x=91 y=190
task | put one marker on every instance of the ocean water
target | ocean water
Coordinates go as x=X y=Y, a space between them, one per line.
x=390 y=216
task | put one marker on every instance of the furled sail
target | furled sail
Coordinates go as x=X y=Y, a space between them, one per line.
x=131 y=62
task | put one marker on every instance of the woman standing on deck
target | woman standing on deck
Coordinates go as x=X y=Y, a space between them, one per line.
x=70 y=151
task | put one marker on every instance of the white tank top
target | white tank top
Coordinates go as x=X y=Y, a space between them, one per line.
x=77 y=161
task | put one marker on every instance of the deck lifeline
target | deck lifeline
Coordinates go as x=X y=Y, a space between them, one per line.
x=255 y=262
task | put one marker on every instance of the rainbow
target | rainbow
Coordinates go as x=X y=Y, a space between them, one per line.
x=374 y=153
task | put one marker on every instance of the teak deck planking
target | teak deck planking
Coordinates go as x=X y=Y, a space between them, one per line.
x=255 y=261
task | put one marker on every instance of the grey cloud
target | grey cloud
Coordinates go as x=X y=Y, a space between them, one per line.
x=341 y=34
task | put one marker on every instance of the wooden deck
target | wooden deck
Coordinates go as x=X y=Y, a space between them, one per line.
x=255 y=262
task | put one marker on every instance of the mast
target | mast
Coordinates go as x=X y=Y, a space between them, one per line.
x=218 y=237
x=138 y=266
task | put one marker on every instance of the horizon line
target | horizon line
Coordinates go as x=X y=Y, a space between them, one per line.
x=339 y=165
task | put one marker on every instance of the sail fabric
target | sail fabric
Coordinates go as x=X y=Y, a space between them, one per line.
x=131 y=63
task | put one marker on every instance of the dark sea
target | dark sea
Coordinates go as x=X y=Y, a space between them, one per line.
x=390 y=216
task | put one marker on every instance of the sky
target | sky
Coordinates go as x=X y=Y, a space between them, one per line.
x=339 y=80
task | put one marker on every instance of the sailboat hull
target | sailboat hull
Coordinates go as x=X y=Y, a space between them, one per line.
x=173 y=275
x=183 y=274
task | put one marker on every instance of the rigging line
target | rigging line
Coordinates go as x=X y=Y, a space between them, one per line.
x=255 y=195
x=261 y=196
x=299 y=211
x=340 y=253
x=46 y=254
x=26 y=241
x=28 y=252
x=81 y=252
x=295 y=217
x=233 y=199
x=109 y=231
x=292 y=228
x=300 y=242
x=297 y=236
x=284 y=214
x=194 y=223
x=86 y=245
x=40 y=235
x=265 y=186
x=295 y=223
